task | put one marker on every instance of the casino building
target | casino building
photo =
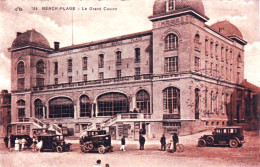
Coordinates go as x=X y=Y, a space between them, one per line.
x=182 y=75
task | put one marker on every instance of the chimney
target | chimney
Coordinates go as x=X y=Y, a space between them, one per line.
x=56 y=46
x=18 y=33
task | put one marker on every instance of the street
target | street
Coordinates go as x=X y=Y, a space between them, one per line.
x=248 y=155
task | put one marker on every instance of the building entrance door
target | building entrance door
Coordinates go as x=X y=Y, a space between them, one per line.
x=112 y=131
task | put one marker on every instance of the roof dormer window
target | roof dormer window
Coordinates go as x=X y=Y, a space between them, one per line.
x=170 y=5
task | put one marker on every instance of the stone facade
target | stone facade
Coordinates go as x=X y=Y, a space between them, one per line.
x=182 y=75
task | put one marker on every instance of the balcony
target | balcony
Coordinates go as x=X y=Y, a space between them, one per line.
x=93 y=82
x=171 y=116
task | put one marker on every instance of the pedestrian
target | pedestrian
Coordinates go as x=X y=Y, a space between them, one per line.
x=23 y=143
x=175 y=140
x=6 y=141
x=34 y=144
x=122 y=148
x=16 y=146
x=142 y=142
x=163 y=143
x=9 y=142
x=20 y=144
x=98 y=164
x=39 y=145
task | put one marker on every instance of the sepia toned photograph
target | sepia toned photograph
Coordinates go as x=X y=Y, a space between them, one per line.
x=129 y=83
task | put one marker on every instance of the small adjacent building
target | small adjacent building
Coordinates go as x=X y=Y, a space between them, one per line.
x=181 y=76
x=5 y=113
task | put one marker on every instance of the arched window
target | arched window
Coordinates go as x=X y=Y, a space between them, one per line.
x=137 y=55
x=197 y=100
x=61 y=107
x=70 y=65
x=110 y=104
x=21 y=108
x=38 y=106
x=197 y=39
x=20 y=68
x=85 y=63
x=171 y=100
x=40 y=67
x=85 y=106
x=143 y=101
x=171 y=42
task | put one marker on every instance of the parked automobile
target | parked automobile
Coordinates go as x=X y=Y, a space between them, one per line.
x=96 y=140
x=27 y=138
x=232 y=136
x=53 y=143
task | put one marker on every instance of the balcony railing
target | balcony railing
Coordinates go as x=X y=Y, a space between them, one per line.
x=93 y=82
x=171 y=116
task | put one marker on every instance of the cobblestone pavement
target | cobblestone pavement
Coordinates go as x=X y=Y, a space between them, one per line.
x=248 y=155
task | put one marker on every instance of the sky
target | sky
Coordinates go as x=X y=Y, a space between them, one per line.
x=130 y=17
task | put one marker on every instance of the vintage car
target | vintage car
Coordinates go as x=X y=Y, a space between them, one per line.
x=27 y=138
x=53 y=143
x=96 y=140
x=232 y=136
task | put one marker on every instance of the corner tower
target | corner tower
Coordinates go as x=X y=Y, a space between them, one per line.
x=28 y=69
x=174 y=23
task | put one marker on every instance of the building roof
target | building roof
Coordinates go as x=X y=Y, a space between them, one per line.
x=139 y=34
x=30 y=38
x=227 y=29
x=251 y=86
x=159 y=6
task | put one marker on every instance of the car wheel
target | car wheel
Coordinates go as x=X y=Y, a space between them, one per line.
x=90 y=146
x=233 y=143
x=59 y=149
x=210 y=140
x=101 y=150
x=84 y=149
x=201 y=143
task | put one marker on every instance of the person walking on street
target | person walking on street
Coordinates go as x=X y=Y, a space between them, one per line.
x=142 y=142
x=98 y=164
x=20 y=144
x=175 y=140
x=122 y=148
x=23 y=143
x=163 y=143
x=6 y=141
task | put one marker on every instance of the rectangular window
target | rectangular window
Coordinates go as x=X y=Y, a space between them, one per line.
x=101 y=61
x=118 y=73
x=137 y=71
x=216 y=51
x=70 y=65
x=20 y=84
x=137 y=55
x=171 y=64
x=222 y=72
x=56 y=81
x=222 y=53
x=171 y=4
x=118 y=58
x=70 y=79
x=21 y=112
x=85 y=77
x=226 y=55
x=211 y=48
x=101 y=75
x=85 y=63
x=226 y=73
x=197 y=63
x=55 y=67
x=39 y=82
x=238 y=77
x=206 y=47
x=206 y=67
x=211 y=68
x=217 y=72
